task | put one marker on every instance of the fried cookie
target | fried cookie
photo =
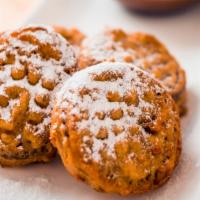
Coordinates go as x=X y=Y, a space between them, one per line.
x=141 y=49
x=117 y=129
x=72 y=35
x=34 y=60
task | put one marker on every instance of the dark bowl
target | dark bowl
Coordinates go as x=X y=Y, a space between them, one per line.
x=157 y=6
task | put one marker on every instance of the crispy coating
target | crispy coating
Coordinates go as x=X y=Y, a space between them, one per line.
x=117 y=129
x=33 y=62
x=141 y=49
x=72 y=35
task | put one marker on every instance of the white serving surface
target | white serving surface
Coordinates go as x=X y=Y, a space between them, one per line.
x=181 y=33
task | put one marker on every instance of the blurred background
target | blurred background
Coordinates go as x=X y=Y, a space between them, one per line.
x=14 y=12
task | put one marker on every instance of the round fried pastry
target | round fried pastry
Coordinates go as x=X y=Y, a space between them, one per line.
x=34 y=60
x=117 y=129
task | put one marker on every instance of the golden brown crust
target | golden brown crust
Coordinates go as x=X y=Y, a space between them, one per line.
x=72 y=35
x=143 y=50
x=181 y=103
x=46 y=155
x=117 y=129
x=33 y=62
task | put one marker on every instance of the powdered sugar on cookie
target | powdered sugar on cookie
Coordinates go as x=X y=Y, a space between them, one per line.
x=101 y=48
x=34 y=59
x=108 y=100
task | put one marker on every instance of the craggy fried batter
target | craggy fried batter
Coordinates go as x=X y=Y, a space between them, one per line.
x=33 y=62
x=73 y=35
x=117 y=128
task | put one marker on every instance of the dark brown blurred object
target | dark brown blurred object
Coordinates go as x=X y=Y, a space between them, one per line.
x=157 y=6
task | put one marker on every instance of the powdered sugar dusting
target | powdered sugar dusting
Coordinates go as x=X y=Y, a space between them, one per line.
x=31 y=188
x=5 y=113
x=27 y=53
x=100 y=47
x=96 y=102
x=103 y=47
